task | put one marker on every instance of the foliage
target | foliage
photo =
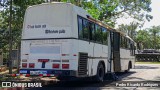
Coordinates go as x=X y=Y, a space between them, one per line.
x=149 y=38
x=18 y=11
x=130 y=29
x=142 y=39
x=145 y=39
x=135 y=8
x=109 y=10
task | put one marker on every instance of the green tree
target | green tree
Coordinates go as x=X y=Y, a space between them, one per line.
x=154 y=33
x=142 y=39
x=149 y=38
x=18 y=11
x=109 y=10
x=130 y=29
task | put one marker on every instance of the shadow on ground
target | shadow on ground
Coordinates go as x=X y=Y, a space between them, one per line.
x=83 y=84
x=145 y=67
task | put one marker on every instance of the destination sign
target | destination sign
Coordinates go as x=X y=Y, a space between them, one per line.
x=36 y=26
x=47 y=31
x=54 y=31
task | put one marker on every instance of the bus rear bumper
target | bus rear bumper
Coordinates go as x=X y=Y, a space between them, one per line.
x=48 y=72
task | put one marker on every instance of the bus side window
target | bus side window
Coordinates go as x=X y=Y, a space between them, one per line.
x=133 y=48
x=98 y=33
x=125 y=41
x=80 y=26
x=85 y=29
x=91 y=31
x=121 y=41
x=130 y=47
x=128 y=43
x=105 y=36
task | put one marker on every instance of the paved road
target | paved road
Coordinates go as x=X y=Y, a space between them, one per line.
x=143 y=72
x=144 y=75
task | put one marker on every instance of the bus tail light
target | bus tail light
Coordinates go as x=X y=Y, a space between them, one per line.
x=27 y=75
x=13 y=75
x=65 y=54
x=74 y=54
x=31 y=65
x=24 y=65
x=55 y=66
x=65 y=66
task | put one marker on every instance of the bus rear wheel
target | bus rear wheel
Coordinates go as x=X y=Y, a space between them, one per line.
x=100 y=73
x=129 y=67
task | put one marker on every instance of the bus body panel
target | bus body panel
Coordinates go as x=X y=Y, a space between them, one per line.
x=33 y=50
x=96 y=52
x=44 y=21
x=125 y=56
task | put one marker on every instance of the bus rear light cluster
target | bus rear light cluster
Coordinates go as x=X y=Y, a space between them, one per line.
x=65 y=54
x=65 y=66
x=55 y=66
x=13 y=75
x=24 y=65
x=27 y=75
x=74 y=54
x=31 y=65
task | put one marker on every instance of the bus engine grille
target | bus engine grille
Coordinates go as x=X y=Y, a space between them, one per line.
x=82 y=65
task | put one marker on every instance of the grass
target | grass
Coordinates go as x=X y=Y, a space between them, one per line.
x=147 y=62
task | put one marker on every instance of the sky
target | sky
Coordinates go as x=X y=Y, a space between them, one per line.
x=155 y=5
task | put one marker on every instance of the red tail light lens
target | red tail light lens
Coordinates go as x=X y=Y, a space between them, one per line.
x=27 y=75
x=13 y=75
x=55 y=66
x=65 y=66
x=31 y=65
x=40 y=74
x=65 y=54
x=74 y=55
x=24 y=65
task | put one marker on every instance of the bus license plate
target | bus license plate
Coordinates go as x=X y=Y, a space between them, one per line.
x=34 y=72
x=42 y=72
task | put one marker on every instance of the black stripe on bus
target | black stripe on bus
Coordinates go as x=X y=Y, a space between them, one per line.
x=97 y=57
x=69 y=38
x=48 y=38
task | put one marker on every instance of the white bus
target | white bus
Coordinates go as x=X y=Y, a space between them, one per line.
x=62 y=40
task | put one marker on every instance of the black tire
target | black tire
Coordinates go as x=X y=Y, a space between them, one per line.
x=69 y=78
x=129 y=67
x=100 y=73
